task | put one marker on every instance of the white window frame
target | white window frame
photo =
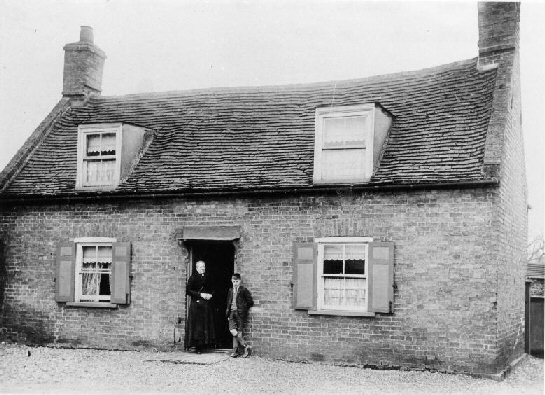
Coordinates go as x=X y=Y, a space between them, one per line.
x=321 y=242
x=83 y=132
x=339 y=112
x=86 y=242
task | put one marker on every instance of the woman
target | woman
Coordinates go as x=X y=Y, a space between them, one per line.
x=199 y=329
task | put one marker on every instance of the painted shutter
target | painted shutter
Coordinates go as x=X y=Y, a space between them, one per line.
x=65 y=272
x=304 y=276
x=381 y=277
x=120 y=285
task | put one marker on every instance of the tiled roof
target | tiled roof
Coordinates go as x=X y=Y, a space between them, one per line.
x=263 y=137
x=18 y=160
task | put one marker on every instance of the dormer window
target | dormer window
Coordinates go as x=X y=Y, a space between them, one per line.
x=343 y=151
x=99 y=156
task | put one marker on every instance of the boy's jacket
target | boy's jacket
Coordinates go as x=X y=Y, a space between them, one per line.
x=244 y=301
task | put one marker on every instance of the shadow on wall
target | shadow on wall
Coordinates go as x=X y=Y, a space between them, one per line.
x=25 y=325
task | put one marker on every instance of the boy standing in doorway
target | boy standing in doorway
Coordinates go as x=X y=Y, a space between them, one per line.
x=239 y=301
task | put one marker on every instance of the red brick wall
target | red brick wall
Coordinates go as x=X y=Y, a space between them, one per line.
x=445 y=273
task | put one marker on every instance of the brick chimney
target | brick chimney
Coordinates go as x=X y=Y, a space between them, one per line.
x=83 y=65
x=499 y=49
x=498 y=30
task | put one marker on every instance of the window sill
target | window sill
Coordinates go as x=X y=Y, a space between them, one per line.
x=98 y=305
x=96 y=188
x=343 y=313
x=355 y=181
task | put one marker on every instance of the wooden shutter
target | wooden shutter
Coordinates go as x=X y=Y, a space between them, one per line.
x=304 y=276
x=381 y=277
x=120 y=285
x=65 y=272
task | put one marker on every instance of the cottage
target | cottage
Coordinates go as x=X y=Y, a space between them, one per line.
x=378 y=221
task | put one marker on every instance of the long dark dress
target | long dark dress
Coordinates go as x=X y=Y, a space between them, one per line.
x=199 y=327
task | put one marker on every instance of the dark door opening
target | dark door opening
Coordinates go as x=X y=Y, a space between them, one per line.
x=219 y=257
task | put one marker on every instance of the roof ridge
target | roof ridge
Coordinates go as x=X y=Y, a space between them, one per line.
x=280 y=87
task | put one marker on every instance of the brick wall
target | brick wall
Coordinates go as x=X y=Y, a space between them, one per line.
x=446 y=297
x=499 y=45
x=83 y=66
x=513 y=219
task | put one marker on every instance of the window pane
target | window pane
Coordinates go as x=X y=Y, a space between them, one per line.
x=104 y=254
x=343 y=164
x=333 y=291
x=93 y=144
x=333 y=259
x=104 y=288
x=89 y=283
x=354 y=295
x=355 y=259
x=100 y=144
x=344 y=131
x=108 y=144
x=108 y=170
x=91 y=171
x=355 y=266
x=100 y=172
x=105 y=268
x=89 y=254
x=346 y=293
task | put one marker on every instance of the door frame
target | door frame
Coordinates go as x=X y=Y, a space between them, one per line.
x=189 y=245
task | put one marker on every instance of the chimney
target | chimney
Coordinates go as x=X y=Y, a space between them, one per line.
x=499 y=49
x=498 y=30
x=83 y=64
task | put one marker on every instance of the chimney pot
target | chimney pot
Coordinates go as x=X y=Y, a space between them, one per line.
x=86 y=34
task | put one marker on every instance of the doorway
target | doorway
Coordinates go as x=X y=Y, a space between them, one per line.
x=219 y=257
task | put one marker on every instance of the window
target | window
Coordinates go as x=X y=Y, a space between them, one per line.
x=94 y=272
x=342 y=276
x=350 y=276
x=99 y=149
x=343 y=151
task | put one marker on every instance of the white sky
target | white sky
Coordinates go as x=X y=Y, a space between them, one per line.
x=165 y=45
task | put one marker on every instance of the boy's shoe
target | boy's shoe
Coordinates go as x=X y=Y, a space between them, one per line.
x=234 y=354
x=247 y=352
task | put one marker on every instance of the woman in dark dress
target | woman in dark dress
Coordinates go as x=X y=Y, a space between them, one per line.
x=199 y=328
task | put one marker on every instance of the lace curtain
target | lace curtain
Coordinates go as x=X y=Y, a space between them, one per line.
x=100 y=172
x=343 y=164
x=101 y=144
x=344 y=292
x=344 y=131
x=96 y=270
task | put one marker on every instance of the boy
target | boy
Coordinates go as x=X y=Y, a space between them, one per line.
x=239 y=301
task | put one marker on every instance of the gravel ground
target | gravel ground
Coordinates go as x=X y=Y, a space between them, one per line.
x=52 y=370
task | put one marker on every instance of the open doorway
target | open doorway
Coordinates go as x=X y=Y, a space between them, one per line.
x=219 y=257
